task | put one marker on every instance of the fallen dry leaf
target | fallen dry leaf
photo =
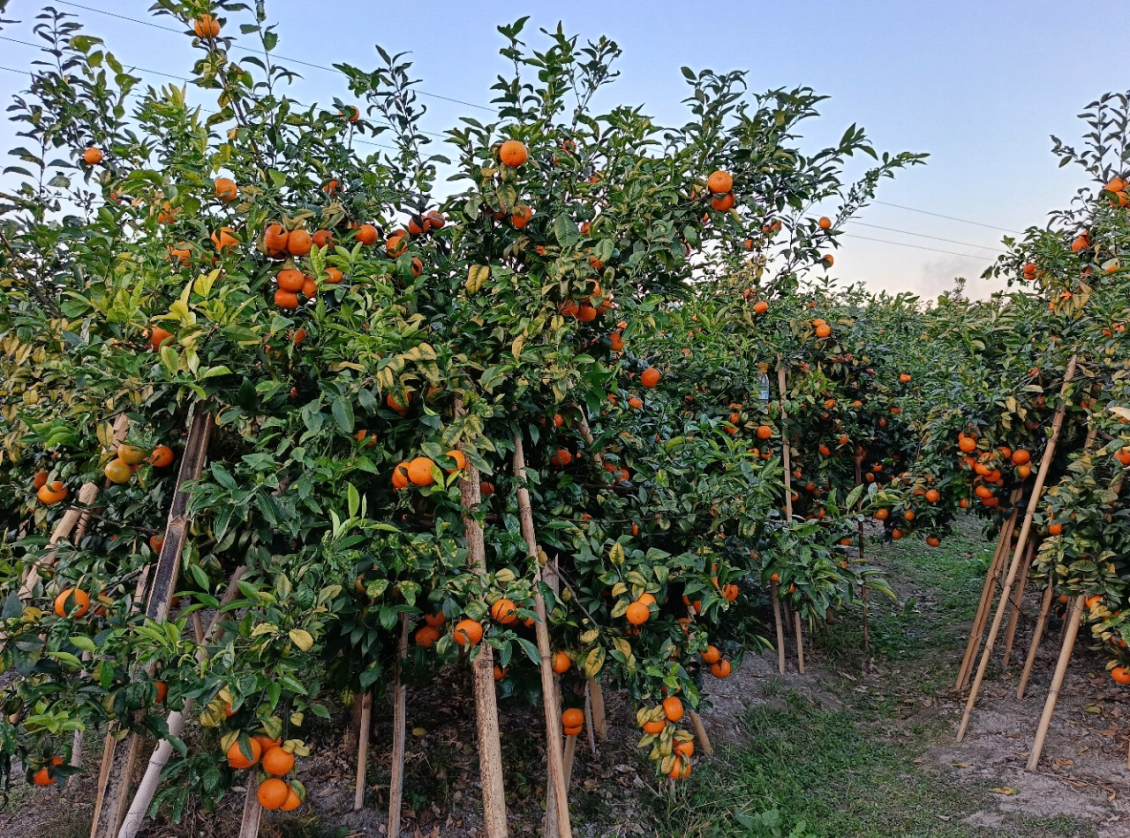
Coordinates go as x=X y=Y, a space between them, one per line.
x=1005 y=790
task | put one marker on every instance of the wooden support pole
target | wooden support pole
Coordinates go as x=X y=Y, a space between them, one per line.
x=988 y=591
x=588 y=718
x=1017 y=604
x=1037 y=635
x=363 y=751
x=859 y=539
x=567 y=759
x=599 y=720
x=780 y=627
x=556 y=768
x=799 y=644
x=482 y=669
x=121 y=756
x=1073 y=619
x=399 y=723
x=252 y=811
x=1021 y=545
x=147 y=788
x=700 y=734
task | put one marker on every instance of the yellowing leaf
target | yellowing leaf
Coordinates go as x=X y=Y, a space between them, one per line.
x=302 y=639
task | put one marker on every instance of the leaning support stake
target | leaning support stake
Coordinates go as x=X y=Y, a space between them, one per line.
x=988 y=590
x=482 y=670
x=700 y=734
x=557 y=776
x=799 y=644
x=399 y=722
x=1073 y=619
x=1037 y=635
x=1021 y=545
x=780 y=626
x=363 y=750
x=599 y=720
x=119 y=757
x=859 y=538
x=1017 y=605
x=252 y=811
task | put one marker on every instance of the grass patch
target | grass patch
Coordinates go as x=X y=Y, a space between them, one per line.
x=814 y=773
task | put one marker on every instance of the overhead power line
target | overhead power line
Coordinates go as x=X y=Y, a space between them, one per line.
x=924 y=236
x=917 y=247
x=246 y=49
x=947 y=217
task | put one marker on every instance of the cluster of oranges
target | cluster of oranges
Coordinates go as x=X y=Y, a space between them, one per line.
x=987 y=466
x=277 y=761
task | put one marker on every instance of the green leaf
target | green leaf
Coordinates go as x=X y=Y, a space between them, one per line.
x=343 y=414
x=81 y=641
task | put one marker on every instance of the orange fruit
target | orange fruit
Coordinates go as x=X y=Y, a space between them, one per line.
x=499 y=672
x=39 y=481
x=468 y=632
x=504 y=611
x=400 y=476
x=52 y=494
x=650 y=377
x=75 y=599
x=293 y=801
x=225 y=189
x=720 y=182
x=131 y=455
x=722 y=202
x=273 y=792
x=92 y=156
x=572 y=718
x=158 y=336
x=1121 y=675
x=760 y=307
x=825 y=223
x=275 y=238
x=828 y=260
x=162 y=690
x=561 y=664
x=905 y=378
x=299 y=243
x=266 y=742
x=427 y=636
x=367 y=235
x=224 y=238
x=685 y=749
x=278 y=761
x=681 y=770
x=291 y=280
x=673 y=708
x=397 y=244
x=435 y=619
x=162 y=456
x=730 y=592
x=323 y=238
x=711 y=655
x=933 y=495
x=638 y=613
x=1020 y=457
x=561 y=457
x=513 y=154
x=333 y=276
x=237 y=759
x=286 y=299
x=933 y=540
x=882 y=514
x=420 y=471
x=823 y=331
x=1092 y=601
x=966 y=443
x=720 y=669
x=460 y=461
x=521 y=216
x=206 y=27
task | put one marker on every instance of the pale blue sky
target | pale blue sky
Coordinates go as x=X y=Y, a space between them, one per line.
x=978 y=85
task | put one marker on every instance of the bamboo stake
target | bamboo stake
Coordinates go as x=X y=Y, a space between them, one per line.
x=799 y=644
x=700 y=734
x=588 y=718
x=1041 y=624
x=363 y=751
x=399 y=723
x=600 y=722
x=252 y=811
x=780 y=628
x=1017 y=604
x=147 y=788
x=121 y=756
x=1022 y=543
x=482 y=670
x=556 y=769
x=1073 y=620
x=988 y=590
x=570 y=754
x=859 y=539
